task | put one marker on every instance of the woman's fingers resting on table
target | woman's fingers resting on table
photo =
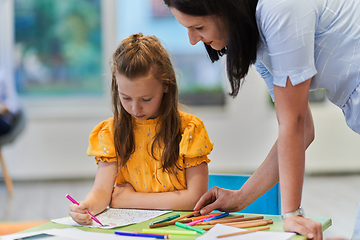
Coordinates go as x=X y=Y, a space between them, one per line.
x=79 y=213
x=218 y=199
x=309 y=228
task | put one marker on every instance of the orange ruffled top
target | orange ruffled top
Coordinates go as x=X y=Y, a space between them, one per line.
x=142 y=171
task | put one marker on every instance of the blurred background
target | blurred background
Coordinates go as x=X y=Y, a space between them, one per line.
x=59 y=53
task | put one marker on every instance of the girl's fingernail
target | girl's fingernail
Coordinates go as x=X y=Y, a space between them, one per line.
x=310 y=236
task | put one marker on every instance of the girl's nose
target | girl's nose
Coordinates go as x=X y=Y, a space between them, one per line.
x=136 y=107
x=194 y=37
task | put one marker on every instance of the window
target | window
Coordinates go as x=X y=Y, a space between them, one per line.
x=58 y=47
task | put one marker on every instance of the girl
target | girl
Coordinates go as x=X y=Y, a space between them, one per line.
x=156 y=154
x=297 y=45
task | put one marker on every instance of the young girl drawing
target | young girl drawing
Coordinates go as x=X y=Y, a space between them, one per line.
x=155 y=153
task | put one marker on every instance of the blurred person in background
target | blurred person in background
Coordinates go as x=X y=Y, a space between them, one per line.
x=9 y=103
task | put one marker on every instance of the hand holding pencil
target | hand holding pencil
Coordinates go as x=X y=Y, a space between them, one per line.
x=79 y=212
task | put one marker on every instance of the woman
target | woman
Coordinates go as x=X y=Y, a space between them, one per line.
x=296 y=45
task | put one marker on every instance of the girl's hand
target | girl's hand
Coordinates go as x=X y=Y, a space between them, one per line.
x=79 y=213
x=218 y=199
x=309 y=228
x=121 y=193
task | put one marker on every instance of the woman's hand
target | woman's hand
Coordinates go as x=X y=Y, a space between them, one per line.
x=218 y=199
x=309 y=228
x=120 y=194
x=79 y=213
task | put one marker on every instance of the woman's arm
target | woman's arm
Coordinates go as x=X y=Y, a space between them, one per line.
x=124 y=196
x=291 y=104
x=267 y=175
x=264 y=178
x=100 y=195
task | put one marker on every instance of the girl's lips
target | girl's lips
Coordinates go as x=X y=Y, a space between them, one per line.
x=139 y=116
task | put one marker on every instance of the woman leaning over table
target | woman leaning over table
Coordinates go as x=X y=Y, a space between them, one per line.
x=296 y=45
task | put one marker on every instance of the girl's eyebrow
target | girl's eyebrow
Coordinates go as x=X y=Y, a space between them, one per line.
x=145 y=96
x=123 y=94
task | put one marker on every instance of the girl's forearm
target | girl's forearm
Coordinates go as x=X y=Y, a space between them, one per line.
x=176 y=200
x=98 y=200
x=100 y=195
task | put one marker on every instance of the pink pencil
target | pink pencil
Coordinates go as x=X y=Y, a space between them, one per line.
x=197 y=221
x=75 y=202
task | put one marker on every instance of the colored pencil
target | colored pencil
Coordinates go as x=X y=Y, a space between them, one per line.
x=244 y=232
x=166 y=219
x=228 y=220
x=92 y=216
x=137 y=234
x=250 y=223
x=197 y=221
x=217 y=217
x=182 y=225
x=185 y=216
x=247 y=224
x=164 y=224
x=206 y=216
x=169 y=232
x=223 y=219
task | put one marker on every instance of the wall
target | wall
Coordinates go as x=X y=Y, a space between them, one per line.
x=55 y=140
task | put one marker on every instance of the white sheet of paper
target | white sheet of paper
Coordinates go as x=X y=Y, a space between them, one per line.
x=116 y=217
x=71 y=233
x=220 y=229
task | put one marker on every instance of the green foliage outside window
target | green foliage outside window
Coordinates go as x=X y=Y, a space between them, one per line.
x=58 y=47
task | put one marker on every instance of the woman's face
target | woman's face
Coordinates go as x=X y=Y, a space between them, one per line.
x=211 y=29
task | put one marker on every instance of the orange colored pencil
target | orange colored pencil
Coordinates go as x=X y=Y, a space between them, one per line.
x=247 y=224
x=244 y=232
x=164 y=224
x=185 y=216
x=228 y=220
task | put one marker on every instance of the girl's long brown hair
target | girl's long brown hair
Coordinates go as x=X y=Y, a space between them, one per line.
x=138 y=56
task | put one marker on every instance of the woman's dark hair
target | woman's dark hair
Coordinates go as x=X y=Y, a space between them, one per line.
x=239 y=17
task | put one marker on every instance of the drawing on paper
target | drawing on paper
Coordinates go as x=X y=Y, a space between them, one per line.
x=116 y=217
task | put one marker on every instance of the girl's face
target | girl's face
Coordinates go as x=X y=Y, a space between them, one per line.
x=211 y=29
x=141 y=97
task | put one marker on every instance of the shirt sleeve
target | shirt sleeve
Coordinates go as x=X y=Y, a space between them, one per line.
x=8 y=94
x=266 y=75
x=101 y=142
x=288 y=29
x=195 y=144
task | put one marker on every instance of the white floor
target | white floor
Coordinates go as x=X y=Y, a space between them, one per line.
x=335 y=197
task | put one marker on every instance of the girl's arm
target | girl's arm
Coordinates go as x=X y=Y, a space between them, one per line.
x=100 y=195
x=124 y=195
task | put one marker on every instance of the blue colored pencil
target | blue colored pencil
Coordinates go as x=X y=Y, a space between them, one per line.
x=217 y=217
x=137 y=234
